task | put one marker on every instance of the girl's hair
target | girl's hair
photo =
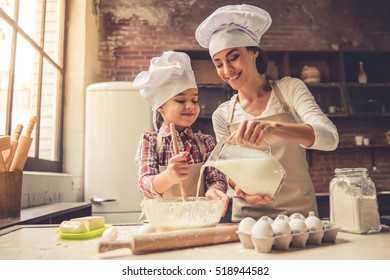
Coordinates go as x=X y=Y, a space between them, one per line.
x=261 y=60
x=159 y=120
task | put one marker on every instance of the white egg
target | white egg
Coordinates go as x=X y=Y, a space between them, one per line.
x=110 y=234
x=297 y=216
x=281 y=227
x=313 y=222
x=146 y=228
x=270 y=221
x=246 y=225
x=262 y=229
x=297 y=225
x=283 y=217
x=329 y=225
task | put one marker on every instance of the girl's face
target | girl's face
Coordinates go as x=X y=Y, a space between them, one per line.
x=182 y=109
x=236 y=66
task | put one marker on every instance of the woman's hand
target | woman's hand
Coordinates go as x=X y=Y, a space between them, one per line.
x=177 y=169
x=215 y=194
x=254 y=199
x=252 y=133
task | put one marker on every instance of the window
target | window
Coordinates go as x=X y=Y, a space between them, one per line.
x=32 y=75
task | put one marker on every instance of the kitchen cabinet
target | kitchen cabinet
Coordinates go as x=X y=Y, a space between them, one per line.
x=368 y=100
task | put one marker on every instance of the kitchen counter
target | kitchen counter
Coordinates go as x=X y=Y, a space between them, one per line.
x=48 y=214
x=42 y=242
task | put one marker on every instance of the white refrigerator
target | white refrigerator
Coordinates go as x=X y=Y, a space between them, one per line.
x=116 y=116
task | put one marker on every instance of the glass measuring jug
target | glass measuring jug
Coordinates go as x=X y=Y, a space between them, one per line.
x=255 y=171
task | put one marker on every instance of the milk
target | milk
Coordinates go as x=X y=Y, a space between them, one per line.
x=253 y=175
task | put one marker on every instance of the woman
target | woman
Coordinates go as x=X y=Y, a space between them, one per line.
x=283 y=112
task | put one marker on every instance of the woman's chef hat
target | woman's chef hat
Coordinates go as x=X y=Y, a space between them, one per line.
x=233 y=26
x=168 y=75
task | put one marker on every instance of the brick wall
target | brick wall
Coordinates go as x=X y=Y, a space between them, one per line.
x=375 y=159
x=132 y=32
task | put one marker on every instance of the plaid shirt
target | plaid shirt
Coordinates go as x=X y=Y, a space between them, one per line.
x=149 y=160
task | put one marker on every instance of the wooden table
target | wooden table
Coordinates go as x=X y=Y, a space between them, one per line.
x=41 y=242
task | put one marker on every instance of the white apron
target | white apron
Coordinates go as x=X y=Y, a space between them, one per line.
x=297 y=193
x=189 y=185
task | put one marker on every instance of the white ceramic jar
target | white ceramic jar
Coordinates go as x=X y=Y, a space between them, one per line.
x=310 y=74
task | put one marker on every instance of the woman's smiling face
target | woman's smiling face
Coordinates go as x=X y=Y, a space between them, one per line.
x=235 y=65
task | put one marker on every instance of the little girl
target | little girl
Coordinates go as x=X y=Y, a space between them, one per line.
x=170 y=88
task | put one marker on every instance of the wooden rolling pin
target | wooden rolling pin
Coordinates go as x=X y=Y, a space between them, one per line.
x=176 y=151
x=21 y=153
x=14 y=144
x=151 y=242
x=5 y=144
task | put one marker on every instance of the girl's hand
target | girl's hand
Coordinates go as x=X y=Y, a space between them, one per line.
x=214 y=194
x=254 y=199
x=177 y=168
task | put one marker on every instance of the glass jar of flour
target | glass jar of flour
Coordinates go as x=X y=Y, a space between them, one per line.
x=353 y=201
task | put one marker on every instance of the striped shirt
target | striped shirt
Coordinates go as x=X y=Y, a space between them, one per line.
x=148 y=159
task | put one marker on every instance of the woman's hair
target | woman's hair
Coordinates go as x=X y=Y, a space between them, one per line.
x=261 y=60
x=261 y=64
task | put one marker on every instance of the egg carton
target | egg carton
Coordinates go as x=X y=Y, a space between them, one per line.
x=279 y=241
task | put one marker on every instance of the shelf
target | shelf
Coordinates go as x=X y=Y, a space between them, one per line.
x=368 y=99
x=328 y=63
x=352 y=85
x=359 y=116
x=364 y=147
x=338 y=86
x=324 y=85
x=376 y=65
x=368 y=85
x=352 y=99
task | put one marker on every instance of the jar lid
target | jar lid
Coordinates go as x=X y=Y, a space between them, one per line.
x=351 y=170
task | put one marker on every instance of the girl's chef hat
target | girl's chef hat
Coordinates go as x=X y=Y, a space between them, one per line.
x=168 y=75
x=233 y=26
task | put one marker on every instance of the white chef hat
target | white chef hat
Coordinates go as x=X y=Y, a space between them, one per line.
x=233 y=26
x=168 y=75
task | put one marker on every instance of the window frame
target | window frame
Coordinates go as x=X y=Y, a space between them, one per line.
x=35 y=163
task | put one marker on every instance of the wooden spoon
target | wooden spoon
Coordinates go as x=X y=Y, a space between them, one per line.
x=176 y=151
